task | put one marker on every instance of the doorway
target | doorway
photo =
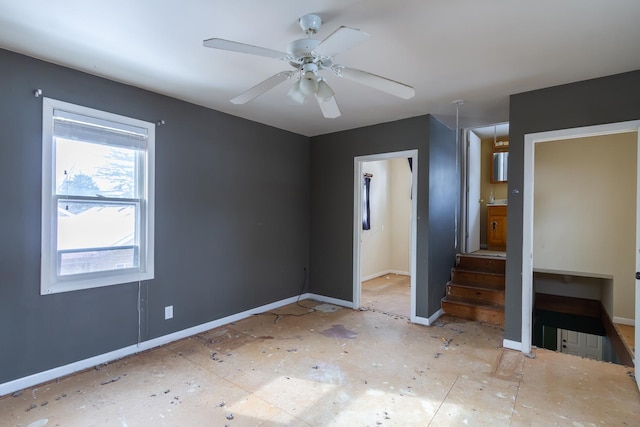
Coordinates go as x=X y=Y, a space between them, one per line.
x=480 y=190
x=378 y=166
x=530 y=142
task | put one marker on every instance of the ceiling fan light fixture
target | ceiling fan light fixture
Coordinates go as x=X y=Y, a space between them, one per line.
x=296 y=94
x=324 y=92
x=308 y=83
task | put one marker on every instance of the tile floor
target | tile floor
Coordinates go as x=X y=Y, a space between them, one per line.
x=330 y=366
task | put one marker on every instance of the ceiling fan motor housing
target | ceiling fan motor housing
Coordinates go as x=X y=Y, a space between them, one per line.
x=302 y=49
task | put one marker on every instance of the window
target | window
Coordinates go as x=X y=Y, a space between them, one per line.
x=97 y=198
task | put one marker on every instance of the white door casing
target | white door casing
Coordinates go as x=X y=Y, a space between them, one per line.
x=357 y=223
x=527 y=218
x=637 y=305
x=473 y=192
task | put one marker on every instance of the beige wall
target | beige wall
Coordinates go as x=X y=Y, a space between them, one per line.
x=584 y=211
x=400 y=221
x=499 y=190
x=385 y=248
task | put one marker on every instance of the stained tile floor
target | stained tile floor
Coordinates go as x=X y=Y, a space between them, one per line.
x=316 y=364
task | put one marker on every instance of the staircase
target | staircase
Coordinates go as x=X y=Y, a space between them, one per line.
x=476 y=289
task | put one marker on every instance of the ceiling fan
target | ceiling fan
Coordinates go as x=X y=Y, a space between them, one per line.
x=309 y=57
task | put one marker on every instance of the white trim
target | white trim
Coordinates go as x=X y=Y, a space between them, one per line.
x=513 y=345
x=384 y=273
x=636 y=312
x=357 y=226
x=328 y=300
x=427 y=321
x=623 y=321
x=527 y=246
x=399 y=273
x=421 y=321
x=50 y=281
x=357 y=221
x=527 y=207
x=81 y=365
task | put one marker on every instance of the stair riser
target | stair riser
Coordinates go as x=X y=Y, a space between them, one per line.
x=475 y=278
x=476 y=294
x=473 y=313
x=489 y=265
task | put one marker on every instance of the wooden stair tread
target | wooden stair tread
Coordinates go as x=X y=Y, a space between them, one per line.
x=474 y=303
x=476 y=290
x=468 y=270
x=470 y=277
x=481 y=263
x=493 y=257
x=476 y=287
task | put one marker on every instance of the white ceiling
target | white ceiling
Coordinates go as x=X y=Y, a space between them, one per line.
x=478 y=51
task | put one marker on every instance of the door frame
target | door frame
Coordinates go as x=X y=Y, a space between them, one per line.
x=468 y=230
x=465 y=183
x=527 y=215
x=357 y=221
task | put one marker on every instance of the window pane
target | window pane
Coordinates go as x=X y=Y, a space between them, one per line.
x=87 y=169
x=91 y=261
x=96 y=236
x=95 y=224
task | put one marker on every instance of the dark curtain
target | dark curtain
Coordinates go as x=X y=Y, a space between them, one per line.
x=411 y=169
x=366 y=210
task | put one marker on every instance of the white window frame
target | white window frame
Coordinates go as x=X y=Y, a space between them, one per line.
x=50 y=281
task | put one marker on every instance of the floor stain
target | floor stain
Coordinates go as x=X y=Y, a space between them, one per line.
x=339 y=331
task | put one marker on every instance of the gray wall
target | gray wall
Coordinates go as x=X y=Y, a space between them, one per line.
x=332 y=195
x=587 y=103
x=443 y=196
x=232 y=221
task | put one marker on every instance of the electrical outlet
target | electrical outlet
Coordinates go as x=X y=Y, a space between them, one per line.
x=168 y=312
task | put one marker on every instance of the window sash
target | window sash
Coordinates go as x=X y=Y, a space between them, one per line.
x=111 y=130
x=125 y=225
x=64 y=270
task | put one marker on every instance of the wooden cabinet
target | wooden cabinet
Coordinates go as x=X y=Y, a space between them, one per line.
x=497 y=227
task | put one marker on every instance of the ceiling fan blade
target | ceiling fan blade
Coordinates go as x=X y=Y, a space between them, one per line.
x=329 y=107
x=262 y=87
x=246 y=48
x=340 y=40
x=383 y=84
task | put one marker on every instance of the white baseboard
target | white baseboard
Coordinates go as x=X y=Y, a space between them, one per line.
x=400 y=272
x=384 y=273
x=427 y=321
x=328 y=300
x=81 y=365
x=512 y=345
x=71 y=368
x=420 y=321
x=624 y=321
